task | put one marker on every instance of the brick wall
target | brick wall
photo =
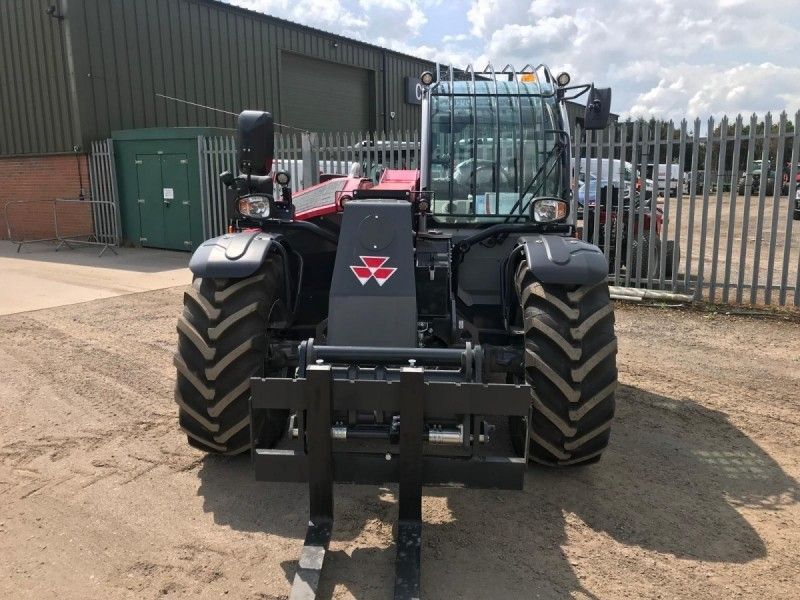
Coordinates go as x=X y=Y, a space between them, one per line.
x=32 y=178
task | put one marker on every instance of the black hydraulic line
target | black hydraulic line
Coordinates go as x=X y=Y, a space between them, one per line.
x=501 y=228
x=312 y=228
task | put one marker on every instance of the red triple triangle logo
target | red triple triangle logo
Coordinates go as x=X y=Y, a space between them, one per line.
x=373 y=269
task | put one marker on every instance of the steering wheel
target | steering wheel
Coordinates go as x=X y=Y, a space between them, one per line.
x=483 y=169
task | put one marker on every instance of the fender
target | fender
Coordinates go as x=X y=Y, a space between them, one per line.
x=233 y=254
x=561 y=260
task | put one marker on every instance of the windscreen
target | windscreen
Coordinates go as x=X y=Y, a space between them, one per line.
x=488 y=141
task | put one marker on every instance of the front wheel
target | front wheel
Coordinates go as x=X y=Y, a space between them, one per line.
x=571 y=366
x=222 y=343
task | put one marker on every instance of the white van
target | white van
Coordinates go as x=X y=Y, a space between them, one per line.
x=628 y=172
x=664 y=180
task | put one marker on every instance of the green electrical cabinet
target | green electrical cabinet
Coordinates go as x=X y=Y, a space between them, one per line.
x=158 y=177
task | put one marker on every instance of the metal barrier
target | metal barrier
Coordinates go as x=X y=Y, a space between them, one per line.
x=103 y=178
x=334 y=153
x=722 y=195
x=720 y=233
x=108 y=238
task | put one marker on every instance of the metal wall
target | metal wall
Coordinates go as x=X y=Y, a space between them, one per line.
x=35 y=102
x=127 y=51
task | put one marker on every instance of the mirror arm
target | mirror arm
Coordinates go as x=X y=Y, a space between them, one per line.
x=583 y=88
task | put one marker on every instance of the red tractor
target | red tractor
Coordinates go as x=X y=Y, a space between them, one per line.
x=378 y=332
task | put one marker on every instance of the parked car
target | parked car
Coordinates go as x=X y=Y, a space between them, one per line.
x=796 y=214
x=582 y=192
x=787 y=172
x=755 y=182
x=666 y=180
x=618 y=167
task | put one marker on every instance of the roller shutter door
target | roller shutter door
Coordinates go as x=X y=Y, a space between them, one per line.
x=323 y=96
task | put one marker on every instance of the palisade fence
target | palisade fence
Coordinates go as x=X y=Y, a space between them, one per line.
x=725 y=233
x=720 y=233
x=296 y=153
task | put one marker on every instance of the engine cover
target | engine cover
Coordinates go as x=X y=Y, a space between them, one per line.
x=373 y=299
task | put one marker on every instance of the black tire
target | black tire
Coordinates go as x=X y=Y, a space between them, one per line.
x=672 y=254
x=645 y=267
x=571 y=366
x=222 y=342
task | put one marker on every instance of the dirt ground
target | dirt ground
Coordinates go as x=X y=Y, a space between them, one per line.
x=101 y=497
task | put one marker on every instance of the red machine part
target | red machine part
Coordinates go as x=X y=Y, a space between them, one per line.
x=391 y=179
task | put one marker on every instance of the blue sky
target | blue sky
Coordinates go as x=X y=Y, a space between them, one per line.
x=663 y=58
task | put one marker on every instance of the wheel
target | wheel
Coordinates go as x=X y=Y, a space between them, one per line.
x=571 y=366
x=222 y=342
x=645 y=267
x=672 y=255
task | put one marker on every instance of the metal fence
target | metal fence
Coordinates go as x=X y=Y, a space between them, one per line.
x=333 y=153
x=67 y=225
x=721 y=232
x=103 y=178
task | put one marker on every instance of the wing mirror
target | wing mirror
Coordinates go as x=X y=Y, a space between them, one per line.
x=255 y=142
x=598 y=109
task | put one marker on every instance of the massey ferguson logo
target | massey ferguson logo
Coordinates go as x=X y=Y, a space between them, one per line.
x=373 y=269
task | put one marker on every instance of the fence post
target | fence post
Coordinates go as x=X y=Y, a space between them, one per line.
x=309 y=145
x=205 y=201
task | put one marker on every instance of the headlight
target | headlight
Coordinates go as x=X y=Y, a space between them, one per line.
x=548 y=210
x=256 y=207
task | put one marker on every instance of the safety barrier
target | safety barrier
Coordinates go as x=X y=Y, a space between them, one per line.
x=106 y=235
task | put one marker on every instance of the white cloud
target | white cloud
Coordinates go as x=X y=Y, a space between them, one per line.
x=662 y=57
x=692 y=90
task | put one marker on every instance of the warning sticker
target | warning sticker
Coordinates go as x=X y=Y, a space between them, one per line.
x=169 y=194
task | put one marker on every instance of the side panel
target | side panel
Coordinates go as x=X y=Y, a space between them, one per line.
x=563 y=260
x=231 y=255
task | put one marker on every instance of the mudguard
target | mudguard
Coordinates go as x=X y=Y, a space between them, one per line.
x=231 y=255
x=563 y=260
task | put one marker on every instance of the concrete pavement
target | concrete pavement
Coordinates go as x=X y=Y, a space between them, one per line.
x=38 y=277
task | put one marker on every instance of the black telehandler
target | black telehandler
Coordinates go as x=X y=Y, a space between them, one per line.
x=441 y=326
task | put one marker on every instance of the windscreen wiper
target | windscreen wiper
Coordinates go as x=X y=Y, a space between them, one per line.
x=554 y=152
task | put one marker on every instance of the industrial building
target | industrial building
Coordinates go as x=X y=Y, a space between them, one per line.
x=74 y=71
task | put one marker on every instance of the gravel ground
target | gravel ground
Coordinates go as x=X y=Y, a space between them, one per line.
x=101 y=497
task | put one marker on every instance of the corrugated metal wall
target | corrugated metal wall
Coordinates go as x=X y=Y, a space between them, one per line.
x=35 y=105
x=127 y=51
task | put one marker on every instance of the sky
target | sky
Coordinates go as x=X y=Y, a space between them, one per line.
x=662 y=58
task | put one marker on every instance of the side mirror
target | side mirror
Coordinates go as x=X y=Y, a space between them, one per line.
x=598 y=108
x=255 y=142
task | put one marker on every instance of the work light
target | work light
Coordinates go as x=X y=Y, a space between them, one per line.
x=548 y=210
x=256 y=207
